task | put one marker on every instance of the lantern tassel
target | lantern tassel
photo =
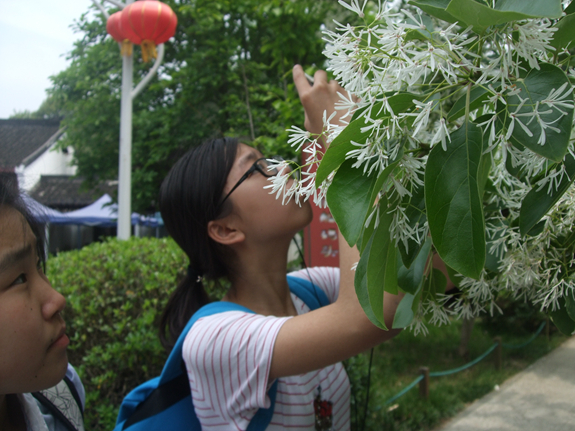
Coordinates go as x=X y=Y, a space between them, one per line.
x=126 y=48
x=148 y=50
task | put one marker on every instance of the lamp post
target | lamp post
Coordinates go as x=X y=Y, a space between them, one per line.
x=125 y=37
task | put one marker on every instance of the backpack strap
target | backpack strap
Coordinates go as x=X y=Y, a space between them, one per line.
x=308 y=292
x=63 y=402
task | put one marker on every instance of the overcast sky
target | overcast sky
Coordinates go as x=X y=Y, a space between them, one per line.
x=35 y=36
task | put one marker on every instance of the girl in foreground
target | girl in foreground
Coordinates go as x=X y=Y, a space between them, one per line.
x=215 y=207
x=33 y=337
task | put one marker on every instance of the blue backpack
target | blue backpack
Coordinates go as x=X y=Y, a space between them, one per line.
x=165 y=402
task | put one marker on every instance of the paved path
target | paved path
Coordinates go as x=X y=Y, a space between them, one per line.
x=540 y=398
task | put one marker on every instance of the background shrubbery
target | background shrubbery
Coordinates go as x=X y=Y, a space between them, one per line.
x=116 y=291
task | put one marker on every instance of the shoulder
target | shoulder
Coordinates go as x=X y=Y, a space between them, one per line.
x=228 y=334
x=61 y=406
x=75 y=380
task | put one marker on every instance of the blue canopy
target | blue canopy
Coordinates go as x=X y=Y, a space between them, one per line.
x=101 y=213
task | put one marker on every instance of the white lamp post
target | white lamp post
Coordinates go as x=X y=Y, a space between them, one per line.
x=125 y=160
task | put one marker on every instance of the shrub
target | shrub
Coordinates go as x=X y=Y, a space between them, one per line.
x=116 y=291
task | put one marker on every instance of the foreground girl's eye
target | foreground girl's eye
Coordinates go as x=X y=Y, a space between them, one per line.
x=19 y=280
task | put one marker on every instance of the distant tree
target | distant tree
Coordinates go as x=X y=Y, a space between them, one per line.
x=227 y=71
x=50 y=108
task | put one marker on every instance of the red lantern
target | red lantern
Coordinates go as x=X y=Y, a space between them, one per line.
x=114 y=29
x=148 y=23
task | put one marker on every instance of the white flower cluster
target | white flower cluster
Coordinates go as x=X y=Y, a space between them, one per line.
x=395 y=52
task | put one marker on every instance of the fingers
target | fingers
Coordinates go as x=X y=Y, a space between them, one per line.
x=301 y=83
x=320 y=77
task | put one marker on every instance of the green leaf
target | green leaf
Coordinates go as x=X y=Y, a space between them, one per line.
x=409 y=280
x=483 y=173
x=570 y=304
x=565 y=33
x=535 y=87
x=436 y=8
x=481 y=16
x=415 y=213
x=365 y=236
x=454 y=207
x=360 y=283
x=455 y=277
x=562 y=319
x=341 y=145
x=376 y=272
x=570 y=9
x=531 y=9
x=404 y=313
x=435 y=283
x=349 y=199
x=538 y=202
x=477 y=96
x=382 y=179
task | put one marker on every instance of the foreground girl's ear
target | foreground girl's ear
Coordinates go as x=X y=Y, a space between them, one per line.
x=223 y=232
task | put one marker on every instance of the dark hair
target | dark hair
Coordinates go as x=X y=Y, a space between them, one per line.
x=10 y=196
x=190 y=198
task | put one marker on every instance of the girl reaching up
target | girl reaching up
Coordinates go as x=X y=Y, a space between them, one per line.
x=214 y=205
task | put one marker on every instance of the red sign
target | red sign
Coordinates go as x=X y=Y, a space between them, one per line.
x=320 y=239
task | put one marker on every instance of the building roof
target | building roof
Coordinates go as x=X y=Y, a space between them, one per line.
x=64 y=192
x=22 y=141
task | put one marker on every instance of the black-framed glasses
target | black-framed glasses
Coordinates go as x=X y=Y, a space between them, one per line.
x=260 y=165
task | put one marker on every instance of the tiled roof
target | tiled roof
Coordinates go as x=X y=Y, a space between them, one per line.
x=22 y=141
x=64 y=192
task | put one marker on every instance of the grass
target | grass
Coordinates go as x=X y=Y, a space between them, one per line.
x=397 y=362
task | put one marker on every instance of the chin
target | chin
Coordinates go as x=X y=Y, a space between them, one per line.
x=309 y=212
x=56 y=372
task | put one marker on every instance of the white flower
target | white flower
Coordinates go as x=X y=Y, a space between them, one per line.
x=354 y=7
x=298 y=137
x=441 y=134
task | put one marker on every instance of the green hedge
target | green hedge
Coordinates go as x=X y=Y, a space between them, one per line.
x=115 y=293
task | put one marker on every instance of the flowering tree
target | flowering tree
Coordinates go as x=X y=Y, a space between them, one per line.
x=460 y=143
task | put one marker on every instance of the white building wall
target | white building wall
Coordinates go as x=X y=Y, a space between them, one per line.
x=51 y=162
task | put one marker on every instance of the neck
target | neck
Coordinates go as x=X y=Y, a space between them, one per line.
x=259 y=281
x=11 y=417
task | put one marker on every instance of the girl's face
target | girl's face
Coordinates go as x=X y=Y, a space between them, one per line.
x=263 y=215
x=32 y=333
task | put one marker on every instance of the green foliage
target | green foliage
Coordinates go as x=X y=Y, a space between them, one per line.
x=452 y=199
x=227 y=71
x=463 y=133
x=116 y=291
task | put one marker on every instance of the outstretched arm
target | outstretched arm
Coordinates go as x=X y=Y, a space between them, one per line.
x=340 y=330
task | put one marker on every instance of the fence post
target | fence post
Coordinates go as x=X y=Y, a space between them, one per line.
x=424 y=383
x=498 y=349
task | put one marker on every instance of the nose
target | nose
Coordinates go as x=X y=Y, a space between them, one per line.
x=53 y=303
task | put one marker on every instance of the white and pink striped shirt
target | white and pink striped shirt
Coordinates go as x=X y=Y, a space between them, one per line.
x=228 y=356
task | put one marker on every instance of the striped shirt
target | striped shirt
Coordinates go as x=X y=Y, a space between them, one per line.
x=228 y=357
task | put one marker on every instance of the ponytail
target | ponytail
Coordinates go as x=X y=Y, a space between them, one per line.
x=188 y=297
x=189 y=199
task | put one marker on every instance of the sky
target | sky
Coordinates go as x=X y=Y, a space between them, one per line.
x=35 y=36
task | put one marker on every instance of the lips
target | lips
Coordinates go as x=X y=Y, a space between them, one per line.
x=61 y=340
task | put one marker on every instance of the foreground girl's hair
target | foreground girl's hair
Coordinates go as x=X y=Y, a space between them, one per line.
x=189 y=198
x=10 y=196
